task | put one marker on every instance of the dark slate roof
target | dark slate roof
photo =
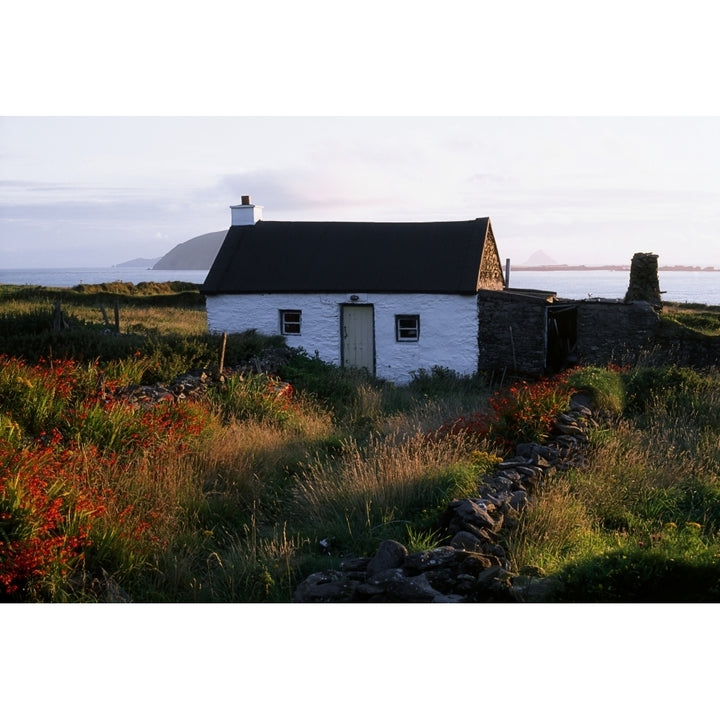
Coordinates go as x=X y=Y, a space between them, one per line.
x=273 y=256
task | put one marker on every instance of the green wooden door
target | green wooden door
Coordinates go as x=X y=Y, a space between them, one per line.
x=358 y=337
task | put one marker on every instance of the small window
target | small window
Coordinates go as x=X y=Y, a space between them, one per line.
x=407 y=328
x=290 y=322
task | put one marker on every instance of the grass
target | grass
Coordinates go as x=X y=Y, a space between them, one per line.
x=641 y=522
x=237 y=496
x=704 y=319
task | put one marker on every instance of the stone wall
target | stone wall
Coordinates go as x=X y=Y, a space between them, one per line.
x=512 y=331
x=644 y=281
x=619 y=332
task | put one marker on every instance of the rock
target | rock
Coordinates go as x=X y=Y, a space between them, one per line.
x=471 y=512
x=398 y=587
x=466 y=541
x=355 y=564
x=428 y=559
x=390 y=554
x=518 y=500
x=325 y=586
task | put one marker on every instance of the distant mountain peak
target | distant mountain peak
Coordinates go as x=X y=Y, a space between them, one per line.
x=138 y=262
x=540 y=257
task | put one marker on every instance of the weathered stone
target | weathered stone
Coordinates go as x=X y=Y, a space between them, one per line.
x=526 y=450
x=513 y=463
x=390 y=554
x=399 y=588
x=511 y=475
x=475 y=563
x=531 y=472
x=325 y=586
x=456 y=525
x=355 y=564
x=383 y=578
x=427 y=559
x=466 y=541
x=472 y=512
x=488 y=575
x=518 y=500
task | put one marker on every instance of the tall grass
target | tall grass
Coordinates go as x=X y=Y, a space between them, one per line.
x=382 y=488
x=226 y=498
x=646 y=502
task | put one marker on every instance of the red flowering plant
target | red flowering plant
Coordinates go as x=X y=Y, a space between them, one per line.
x=526 y=411
x=44 y=520
x=523 y=412
x=73 y=469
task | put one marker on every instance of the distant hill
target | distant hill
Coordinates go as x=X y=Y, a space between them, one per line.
x=539 y=257
x=197 y=253
x=139 y=262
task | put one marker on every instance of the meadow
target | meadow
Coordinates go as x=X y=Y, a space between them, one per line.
x=237 y=494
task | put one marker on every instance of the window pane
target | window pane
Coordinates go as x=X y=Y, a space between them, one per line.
x=290 y=322
x=407 y=327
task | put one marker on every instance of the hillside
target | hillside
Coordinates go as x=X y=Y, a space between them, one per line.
x=197 y=253
x=138 y=262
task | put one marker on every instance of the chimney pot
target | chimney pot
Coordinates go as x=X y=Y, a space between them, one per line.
x=246 y=200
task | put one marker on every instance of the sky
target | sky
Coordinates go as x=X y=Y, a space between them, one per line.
x=98 y=191
x=119 y=145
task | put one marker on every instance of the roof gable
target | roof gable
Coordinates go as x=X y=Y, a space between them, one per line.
x=302 y=257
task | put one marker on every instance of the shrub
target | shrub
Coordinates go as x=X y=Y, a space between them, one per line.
x=335 y=387
x=676 y=387
x=526 y=411
x=604 y=385
x=254 y=396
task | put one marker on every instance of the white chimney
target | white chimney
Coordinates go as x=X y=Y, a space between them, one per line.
x=246 y=213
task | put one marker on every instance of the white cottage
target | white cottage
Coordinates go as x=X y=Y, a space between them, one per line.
x=388 y=297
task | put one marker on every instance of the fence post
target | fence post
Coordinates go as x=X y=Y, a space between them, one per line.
x=222 y=352
x=117 y=316
x=59 y=322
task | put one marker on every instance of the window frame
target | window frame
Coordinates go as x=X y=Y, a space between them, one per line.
x=284 y=322
x=405 y=318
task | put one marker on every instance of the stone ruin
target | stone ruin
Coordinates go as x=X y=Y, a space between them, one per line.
x=644 y=283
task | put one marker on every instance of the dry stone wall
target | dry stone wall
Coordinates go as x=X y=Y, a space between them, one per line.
x=511 y=331
x=619 y=332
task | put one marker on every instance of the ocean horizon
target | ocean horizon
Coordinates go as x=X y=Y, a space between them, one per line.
x=70 y=277
x=682 y=286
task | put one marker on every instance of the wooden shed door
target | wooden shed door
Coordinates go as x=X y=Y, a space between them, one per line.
x=358 y=337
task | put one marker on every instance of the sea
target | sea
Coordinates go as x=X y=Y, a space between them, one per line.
x=70 y=277
x=682 y=286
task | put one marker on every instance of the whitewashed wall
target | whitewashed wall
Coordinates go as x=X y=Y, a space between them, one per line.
x=448 y=327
